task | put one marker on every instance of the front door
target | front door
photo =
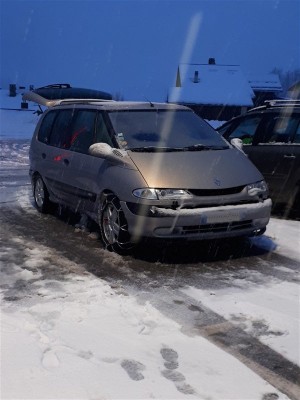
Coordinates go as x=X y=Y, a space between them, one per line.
x=83 y=175
x=272 y=153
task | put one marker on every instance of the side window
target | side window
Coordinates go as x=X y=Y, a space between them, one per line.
x=102 y=134
x=46 y=127
x=280 y=129
x=297 y=135
x=61 y=128
x=82 y=132
x=246 y=129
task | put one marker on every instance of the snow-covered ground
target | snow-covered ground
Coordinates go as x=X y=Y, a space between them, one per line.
x=79 y=338
x=271 y=312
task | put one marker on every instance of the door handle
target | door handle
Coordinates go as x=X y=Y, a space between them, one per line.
x=43 y=156
x=66 y=161
x=291 y=156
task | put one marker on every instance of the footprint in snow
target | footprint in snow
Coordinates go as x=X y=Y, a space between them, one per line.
x=86 y=355
x=170 y=357
x=133 y=369
x=270 y=396
x=185 y=388
x=173 y=375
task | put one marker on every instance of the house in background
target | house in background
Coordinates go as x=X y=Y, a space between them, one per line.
x=265 y=87
x=220 y=92
x=215 y=92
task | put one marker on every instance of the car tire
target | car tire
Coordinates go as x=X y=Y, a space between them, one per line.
x=113 y=226
x=41 y=196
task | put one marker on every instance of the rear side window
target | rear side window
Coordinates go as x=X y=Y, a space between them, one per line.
x=46 y=127
x=81 y=135
x=246 y=129
x=297 y=136
x=280 y=129
x=61 y=128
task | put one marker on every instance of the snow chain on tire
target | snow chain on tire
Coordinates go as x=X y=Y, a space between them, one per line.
x=122 y=242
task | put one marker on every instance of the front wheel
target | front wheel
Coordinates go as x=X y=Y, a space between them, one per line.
x=113 y=226
x=41 y=196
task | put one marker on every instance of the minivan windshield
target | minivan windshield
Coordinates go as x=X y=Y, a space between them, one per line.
x=164 y=130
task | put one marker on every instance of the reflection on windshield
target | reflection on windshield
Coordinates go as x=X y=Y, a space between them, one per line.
x=164 y=130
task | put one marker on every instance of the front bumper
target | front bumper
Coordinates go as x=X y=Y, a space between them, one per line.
x=200 y=223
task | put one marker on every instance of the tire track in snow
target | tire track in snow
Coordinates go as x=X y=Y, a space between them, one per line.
x=267 y=363
x=149 y=285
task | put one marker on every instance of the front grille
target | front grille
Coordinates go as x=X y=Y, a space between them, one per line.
x=146 y=210
x=222 y=227
x=217 y=203
x=216 y=192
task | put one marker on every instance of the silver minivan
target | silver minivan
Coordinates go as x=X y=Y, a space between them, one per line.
x=143 y=169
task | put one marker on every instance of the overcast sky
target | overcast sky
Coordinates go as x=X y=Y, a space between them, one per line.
x=134 y=46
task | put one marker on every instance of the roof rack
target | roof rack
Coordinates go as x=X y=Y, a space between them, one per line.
x=50 y=99
x=56 y=86
x=79 y=101
x=282 y=102
x=42 y=101
x=277 y=103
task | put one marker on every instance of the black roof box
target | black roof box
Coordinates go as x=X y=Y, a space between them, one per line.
x=65 y=91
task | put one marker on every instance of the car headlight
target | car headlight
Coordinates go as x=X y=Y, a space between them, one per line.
x=258 y=189
x=162 y=194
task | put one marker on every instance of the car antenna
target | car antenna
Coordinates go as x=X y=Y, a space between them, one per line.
x=150 y=102
x=40 y=111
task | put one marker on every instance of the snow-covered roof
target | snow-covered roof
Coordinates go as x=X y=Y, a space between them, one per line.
x=266 y=83
x=211 y=84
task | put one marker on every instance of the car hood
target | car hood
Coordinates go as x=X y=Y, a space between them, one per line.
x=196 y=169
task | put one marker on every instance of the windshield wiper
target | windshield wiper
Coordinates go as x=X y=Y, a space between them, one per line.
x=200 y=147
x=154 y=149
x=194 y=147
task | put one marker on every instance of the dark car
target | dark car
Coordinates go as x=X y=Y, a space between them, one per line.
x=270 y=135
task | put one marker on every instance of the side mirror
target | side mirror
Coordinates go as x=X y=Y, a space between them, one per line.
x=104 y=150
x=238 y=144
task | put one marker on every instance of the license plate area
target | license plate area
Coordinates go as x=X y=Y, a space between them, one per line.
x=221 y=217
